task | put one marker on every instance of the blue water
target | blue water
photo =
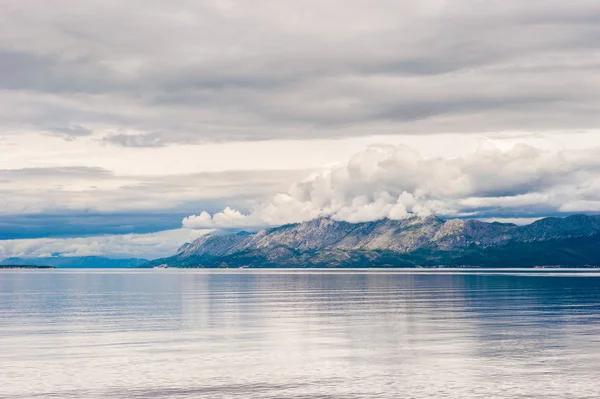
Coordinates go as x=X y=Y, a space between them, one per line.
x=298 y=334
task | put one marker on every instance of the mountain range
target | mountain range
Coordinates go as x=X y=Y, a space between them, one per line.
x=573 y=241
x=76 y=262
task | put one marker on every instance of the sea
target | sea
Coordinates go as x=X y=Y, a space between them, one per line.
x=361 y=333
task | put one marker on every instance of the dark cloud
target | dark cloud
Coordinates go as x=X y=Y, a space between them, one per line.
x=73 y=131
x=155 y=139
x=52 y=74
x=74 y=201
x=54 y=172
x=156 y=73
x=75 y=224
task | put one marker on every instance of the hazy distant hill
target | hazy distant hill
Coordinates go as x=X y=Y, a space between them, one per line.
x=571 y=241
x=77 y=262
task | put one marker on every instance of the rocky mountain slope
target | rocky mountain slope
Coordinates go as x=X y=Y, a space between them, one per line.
x=430 y=241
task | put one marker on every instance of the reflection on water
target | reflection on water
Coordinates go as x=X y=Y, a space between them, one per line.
x=298 y=334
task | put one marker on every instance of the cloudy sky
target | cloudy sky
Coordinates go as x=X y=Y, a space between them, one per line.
x=129 y=128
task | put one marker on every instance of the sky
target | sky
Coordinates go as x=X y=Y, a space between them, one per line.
x=129 y=128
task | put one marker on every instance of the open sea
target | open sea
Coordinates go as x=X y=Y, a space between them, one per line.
x=299 y=334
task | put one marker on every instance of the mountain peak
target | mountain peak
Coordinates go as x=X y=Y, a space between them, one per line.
x=411 y=241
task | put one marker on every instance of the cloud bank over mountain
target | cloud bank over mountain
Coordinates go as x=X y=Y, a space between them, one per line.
x=395 y=182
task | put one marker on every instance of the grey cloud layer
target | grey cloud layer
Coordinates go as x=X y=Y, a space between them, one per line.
x=76 y=189
x=149 y=73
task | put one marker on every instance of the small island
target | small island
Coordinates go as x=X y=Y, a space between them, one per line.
x=26 y=267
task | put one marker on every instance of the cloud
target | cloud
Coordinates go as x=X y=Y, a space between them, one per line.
x=153 y=245
x=78 y=224
x=148 y=74
x=517 y=221
x=395 y=182
x=72 y=132
x=97 y=190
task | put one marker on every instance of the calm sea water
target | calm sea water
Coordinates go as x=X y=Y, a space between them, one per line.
x=298 y=334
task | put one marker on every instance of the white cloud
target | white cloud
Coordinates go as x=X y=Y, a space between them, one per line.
x=517 y=221
x=395 y=181
x=153 y=245
x=42 y=174
x=581 y=206
x=515 y=201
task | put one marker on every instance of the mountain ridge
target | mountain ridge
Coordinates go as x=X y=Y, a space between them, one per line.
x=76 y=262
x=410 y=242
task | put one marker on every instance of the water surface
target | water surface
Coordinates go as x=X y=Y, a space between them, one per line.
x=299 y=334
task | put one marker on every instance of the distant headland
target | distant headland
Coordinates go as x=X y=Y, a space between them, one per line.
x=573 y=241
